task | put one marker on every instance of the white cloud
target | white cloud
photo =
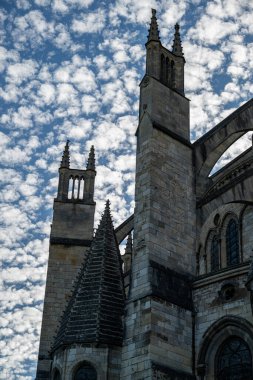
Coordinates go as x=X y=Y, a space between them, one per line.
x=89 y=22
x=211 y=30
x=19 y=72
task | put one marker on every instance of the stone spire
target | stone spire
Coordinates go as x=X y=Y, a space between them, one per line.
x=65 y=161
x=94 y=312
x=91 y=159
x=153 y=33
x=177 y=46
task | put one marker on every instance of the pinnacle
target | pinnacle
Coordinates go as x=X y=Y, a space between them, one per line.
x=65 y=162
x=177 y=46
x=153 y=33
x=129 y=245
x=91 y=159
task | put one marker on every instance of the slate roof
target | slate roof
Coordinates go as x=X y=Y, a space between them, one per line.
x=94 y=312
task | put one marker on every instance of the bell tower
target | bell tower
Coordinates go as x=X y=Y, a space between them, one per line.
x=70 y=239
x=159 y=312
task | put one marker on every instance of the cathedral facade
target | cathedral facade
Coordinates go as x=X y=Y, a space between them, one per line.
x=178 y=304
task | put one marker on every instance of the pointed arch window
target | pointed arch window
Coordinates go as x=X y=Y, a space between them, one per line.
x=215 y=253
x=232 y=243
x=163 y=69
x=85 y=372
x=234 y=361
x=57 y=375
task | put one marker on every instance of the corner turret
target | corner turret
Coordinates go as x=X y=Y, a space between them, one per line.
x=70 y=239
x=164 y=65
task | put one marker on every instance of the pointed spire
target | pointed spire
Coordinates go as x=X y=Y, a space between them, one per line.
x=153 y=33
x=129 y=245
x=97 y=302
x=65 y=161
x=177 y=46
x=91 y=159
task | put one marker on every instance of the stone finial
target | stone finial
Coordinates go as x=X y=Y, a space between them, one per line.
x=129 y=245
x=153 y=33
x=91 y=159
x=177 y=45
x=65 y=161
x=99 y=289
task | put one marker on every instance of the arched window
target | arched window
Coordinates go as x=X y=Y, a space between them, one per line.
x=163 y=69
x=234 y=360
x=57 y=375
x=232 y=243
x=215 y=252
x=167 y=71
x=173 y=75
x=85 y=372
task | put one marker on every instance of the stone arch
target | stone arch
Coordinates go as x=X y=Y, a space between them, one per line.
x=84 y=366
x=124 y=229
x=210 y=147
x=215 y=335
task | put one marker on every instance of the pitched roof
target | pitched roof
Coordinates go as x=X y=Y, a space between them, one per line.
x=94 y=312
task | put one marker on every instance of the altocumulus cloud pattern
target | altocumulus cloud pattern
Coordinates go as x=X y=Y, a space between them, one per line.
x=70 y=69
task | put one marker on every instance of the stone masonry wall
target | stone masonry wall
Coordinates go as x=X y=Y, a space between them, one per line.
x=106 y=361
x=63 y=265
x=210 y=305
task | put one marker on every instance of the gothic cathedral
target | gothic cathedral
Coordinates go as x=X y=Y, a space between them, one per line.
x=178 y=304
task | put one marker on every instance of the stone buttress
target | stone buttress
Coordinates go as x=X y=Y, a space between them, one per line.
x=70 y=238
x=158 y=340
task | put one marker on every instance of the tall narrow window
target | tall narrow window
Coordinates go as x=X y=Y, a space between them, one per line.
x=173 y=75
x=232 y=243
x=215 y=252
x=163 y=69
x=234 y=361
x=167 y=71
x=70 y=189
x=86 y=372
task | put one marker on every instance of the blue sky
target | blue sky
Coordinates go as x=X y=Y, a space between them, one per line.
x=70 y=69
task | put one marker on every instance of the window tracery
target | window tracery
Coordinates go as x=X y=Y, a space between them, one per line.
x=232 y=243
x=234 y=361
x=85 y=372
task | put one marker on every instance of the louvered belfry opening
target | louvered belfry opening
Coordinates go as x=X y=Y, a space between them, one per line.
x=94 y=312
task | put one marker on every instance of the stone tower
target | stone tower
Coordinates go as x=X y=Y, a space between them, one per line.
x=70 y=238
x=164 y=228
x=182 y=307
